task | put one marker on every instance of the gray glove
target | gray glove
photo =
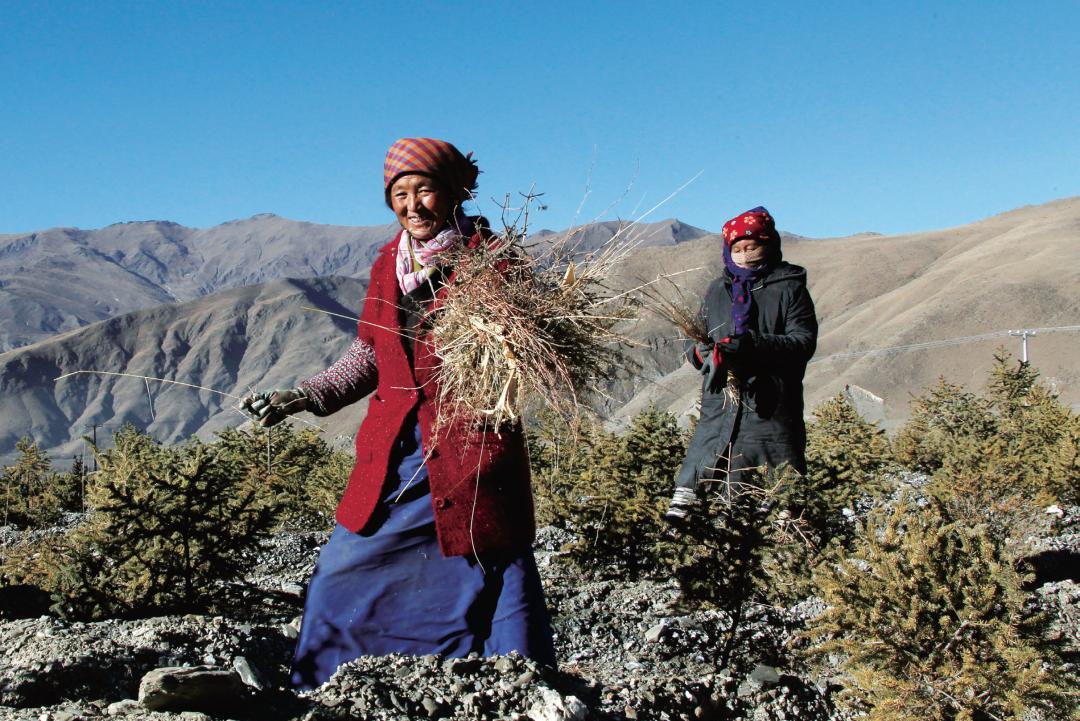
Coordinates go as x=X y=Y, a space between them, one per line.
x=712 y=366
x=270 y=407
x=697 y=352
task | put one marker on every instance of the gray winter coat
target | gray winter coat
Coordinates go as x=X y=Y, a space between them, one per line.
x=766 y=427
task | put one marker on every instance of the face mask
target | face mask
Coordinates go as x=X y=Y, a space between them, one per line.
x=752 y=258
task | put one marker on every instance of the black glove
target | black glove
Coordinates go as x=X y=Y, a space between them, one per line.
x=737 y=346
x=270 y=407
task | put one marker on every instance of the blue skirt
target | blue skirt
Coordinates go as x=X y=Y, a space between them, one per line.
x=392 y=591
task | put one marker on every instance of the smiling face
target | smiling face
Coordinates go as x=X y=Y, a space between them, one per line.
x=421 y=205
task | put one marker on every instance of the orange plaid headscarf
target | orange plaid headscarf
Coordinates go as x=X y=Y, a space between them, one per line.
x=436 y=158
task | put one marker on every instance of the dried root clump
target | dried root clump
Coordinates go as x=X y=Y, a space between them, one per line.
x=515 y=327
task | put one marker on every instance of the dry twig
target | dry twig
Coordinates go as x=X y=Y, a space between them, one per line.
x=511 y=323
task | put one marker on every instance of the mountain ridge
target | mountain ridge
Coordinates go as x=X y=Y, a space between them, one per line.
x=132 y=265
x=229 y=343
x=1018 y=269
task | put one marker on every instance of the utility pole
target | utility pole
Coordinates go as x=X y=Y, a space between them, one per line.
x=93 y=427
x=82 y=479
x=1024 y=335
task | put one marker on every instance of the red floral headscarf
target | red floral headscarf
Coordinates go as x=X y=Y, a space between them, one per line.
x=755 y=223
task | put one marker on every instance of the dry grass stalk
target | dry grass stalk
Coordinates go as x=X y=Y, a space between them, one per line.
x=667 y=301
x=515 y=328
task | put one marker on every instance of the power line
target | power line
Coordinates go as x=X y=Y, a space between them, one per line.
x=960 y=340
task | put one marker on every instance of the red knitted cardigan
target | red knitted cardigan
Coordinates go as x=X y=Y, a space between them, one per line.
x=480 y=483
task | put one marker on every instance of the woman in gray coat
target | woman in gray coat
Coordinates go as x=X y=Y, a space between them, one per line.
x=763 y=330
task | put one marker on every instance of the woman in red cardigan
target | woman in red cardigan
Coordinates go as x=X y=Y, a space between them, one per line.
x=432 y=553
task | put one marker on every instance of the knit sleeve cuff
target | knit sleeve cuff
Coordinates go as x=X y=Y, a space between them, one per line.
x=348 y=380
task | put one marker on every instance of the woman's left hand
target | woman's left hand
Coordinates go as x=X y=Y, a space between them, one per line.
x=270 y=407
x=737 y=346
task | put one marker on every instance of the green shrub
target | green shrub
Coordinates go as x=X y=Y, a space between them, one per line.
x=611 y=490
x=621 y=492
x=748 y=545
x=168 y=527
x=1031 y=453
x=296 y=468
x=28 y=493
x=1063 y=464
x=941 y=423
x=846 y=459
x=557 y=452
x=70 y=486
x=928 y=617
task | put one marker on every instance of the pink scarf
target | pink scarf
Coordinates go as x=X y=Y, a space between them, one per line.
x=425 y=254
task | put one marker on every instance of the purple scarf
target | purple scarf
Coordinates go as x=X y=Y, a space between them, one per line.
x=742 y=281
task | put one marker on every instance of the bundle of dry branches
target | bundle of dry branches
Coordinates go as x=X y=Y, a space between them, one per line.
x=665 y=299
x=515 y=327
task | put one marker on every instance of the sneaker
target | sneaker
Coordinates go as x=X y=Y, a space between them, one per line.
x=684 y=504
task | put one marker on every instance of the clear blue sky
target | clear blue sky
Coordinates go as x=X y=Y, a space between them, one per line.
x=839 y=117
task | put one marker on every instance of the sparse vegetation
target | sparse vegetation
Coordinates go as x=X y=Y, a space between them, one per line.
x=168 y=526
x=611 y=489
x=927 y=615
x=941 y=422
x=29 y=496
x=847 y=458
x=929 y=618
x=297 y=468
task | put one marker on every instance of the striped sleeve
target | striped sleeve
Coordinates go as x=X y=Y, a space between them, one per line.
x=348 y=380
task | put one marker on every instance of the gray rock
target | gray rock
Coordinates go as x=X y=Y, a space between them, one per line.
x=190 y=689
x=653 y=634
x=118 y=708
x=765 y=676
x=433 y=708
x=553 y=707
x=248 y=673
x=463 y=666
x=292 y=589
x=504 y=665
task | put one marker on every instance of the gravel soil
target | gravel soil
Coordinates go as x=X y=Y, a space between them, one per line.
x=626 y=651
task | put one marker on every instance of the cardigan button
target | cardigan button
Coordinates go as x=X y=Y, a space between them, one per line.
x=442 y=503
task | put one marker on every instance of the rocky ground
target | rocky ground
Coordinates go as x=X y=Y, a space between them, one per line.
x=626 y=651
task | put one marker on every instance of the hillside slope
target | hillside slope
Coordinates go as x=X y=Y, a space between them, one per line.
x=1015 y=270
x=231 y=342
x=1019 y=269
x=64 y=278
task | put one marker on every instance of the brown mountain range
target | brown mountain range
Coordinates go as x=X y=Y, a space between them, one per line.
x=229 y=342
x=938 y=303
x=65 y=278
x=942 y=301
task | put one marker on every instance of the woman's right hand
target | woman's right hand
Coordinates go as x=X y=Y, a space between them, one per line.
x=271 y=407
